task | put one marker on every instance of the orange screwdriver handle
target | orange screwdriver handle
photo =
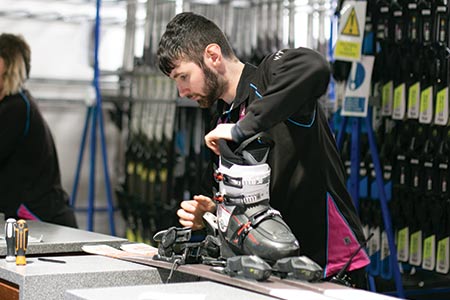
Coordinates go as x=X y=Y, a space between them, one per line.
x=21 y=241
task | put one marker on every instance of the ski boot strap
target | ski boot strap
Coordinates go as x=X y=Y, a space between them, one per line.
x=241 y=200
x=253 y=221
x=252 y=151
x=240 y=182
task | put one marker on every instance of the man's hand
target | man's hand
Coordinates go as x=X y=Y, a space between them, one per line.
x=191 y=211
x=222 y=131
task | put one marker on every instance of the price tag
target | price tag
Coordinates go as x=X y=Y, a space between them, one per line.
x=441 y=112
x=426 y=106
x=399 y=102
x=403 y=244
x=414 y=101
x=387 y=98
x=442 y=262
x=429 y=253
x=415 y=249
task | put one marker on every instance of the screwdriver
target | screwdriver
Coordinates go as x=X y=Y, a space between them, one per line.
x=10 y=242
x=21 y=241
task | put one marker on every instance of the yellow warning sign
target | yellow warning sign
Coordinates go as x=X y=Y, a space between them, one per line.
x=349 y=42
x=348 y=50
x=351 y=27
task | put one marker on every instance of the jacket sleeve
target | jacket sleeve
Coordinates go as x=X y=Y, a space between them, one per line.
x=295 y=79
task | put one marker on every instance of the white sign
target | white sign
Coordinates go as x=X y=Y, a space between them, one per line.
x=357 y=91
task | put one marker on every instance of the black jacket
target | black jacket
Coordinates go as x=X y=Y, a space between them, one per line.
x=29 y=169
x=280 y=96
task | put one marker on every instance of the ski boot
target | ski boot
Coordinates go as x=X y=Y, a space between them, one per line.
x=247 y=224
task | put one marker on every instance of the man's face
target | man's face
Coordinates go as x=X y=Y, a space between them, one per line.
x=199 y=84
x=2 y=75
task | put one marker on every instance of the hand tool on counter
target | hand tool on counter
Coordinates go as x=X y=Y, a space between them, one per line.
x=51 y=260
x=21 y=230
x=10 y=240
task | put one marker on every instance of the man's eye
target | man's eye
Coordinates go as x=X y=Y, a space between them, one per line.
x=183 y=77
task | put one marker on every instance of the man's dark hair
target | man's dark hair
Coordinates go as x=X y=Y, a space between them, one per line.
x=186 y=36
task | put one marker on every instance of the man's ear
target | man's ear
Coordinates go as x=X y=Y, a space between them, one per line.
x=213 y=54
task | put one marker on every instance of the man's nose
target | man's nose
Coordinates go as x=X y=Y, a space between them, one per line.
x=182 y=91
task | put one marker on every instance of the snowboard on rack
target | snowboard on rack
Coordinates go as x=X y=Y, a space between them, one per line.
x=273 y=286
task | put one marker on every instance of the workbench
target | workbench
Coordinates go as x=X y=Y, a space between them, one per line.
x=57 y=239
x=43 y=280
x=207 y=290
x=68 y=273
x=204 y=290
x=68 y=267
x=49 y=280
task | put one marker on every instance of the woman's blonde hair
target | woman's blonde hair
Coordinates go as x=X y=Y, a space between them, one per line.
x=16 y=55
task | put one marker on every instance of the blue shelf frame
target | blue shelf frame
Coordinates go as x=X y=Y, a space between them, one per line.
x=94 y=120
x=354 y=187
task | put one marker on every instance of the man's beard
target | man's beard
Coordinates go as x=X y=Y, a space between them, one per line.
x=214 y=88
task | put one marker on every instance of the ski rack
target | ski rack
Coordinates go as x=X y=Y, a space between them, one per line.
x=94 y=114
x=354 y=184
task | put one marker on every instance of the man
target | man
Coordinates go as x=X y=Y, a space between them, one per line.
x=278 y=97
x=30 y=180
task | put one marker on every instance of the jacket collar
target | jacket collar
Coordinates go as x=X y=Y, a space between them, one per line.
x=242 y=91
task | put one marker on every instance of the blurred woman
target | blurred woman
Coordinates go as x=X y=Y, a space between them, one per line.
x=30 y=179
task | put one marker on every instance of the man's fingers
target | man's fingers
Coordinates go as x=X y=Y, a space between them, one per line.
x=191 y=211
x=211 y=144
x=211 y=141
x=189 y=205
x=183 y=214
x=202 y=199
x=185 y=223
x=189 y=220
x=205 y=203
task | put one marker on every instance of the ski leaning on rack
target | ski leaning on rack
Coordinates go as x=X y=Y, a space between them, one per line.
x=273 y=286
